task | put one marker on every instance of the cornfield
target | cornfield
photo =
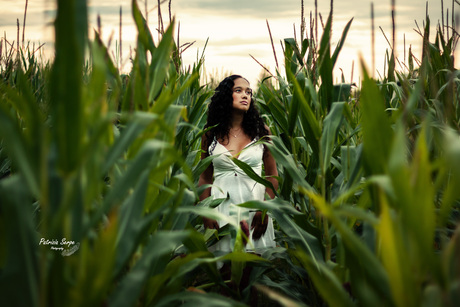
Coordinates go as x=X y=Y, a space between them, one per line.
x=99 y=201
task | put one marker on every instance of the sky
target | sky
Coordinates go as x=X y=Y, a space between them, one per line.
x=237 y=30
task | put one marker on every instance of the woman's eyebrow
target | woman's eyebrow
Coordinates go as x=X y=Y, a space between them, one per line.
x=240 y=88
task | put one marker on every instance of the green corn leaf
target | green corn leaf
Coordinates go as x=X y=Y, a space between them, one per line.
x=293 y=44
x=293 y=111
x=341 y=42
x=140 y=82
x=282 y=212
x=326 y=67
x=342 y=92
x=252 y=174
x=452 y=164
x=284 y=158
x=144 y=35
x=175 y=274
x=367 y=265
x=197 y=109
x=160 y=62
x=394 y=258
x=422 y=208
x=168 y=96
x=189 y=298
x=291 y=65
x=195 y=243
x=119 y=191
x=377 y=133
x=17 y=147
x=138 y=123
x=209 y=213
x=277 y=111
x=66 y=82
x=311 y=125
x=351 y=164
x=131 y=223
x=202 y=166
x=95 y=274
x=331 y=126
x=241 y=257
x=155 y=255
x=19 y=246
x=326 y=282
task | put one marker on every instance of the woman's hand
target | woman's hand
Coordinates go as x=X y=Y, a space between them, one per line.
x=245 y=228
x=259 y=225
x=209 y=223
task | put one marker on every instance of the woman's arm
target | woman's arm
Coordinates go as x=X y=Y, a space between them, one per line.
x=271 y=171
x=258 y=224
x=206 y=178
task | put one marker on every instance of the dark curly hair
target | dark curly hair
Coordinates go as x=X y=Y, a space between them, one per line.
x=220 y=114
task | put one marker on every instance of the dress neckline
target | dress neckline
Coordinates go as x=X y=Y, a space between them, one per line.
x=238 y=155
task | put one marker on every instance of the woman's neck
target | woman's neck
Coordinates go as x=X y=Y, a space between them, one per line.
x=237 y=121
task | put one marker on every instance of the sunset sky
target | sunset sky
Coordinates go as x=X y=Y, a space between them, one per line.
x=237 y=29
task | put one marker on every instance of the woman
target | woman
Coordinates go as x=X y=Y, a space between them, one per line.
x=237 y=131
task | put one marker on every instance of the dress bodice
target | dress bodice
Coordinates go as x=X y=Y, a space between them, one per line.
x=224 y=166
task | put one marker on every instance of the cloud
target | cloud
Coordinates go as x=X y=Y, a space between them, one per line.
x=238 y=28
x=267 y=9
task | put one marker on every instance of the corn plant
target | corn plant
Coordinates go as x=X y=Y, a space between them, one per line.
x=99 y=171
x=373 y=189
x=90 y=211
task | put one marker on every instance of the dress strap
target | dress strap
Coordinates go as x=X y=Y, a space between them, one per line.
x=212 y=146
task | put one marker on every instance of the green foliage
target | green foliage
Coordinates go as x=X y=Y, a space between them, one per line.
x=367 y=207
x=370 y=182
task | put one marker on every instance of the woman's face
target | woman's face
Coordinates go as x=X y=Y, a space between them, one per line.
x=242 y=95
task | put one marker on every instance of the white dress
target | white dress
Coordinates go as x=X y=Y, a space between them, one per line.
x=229 y=178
